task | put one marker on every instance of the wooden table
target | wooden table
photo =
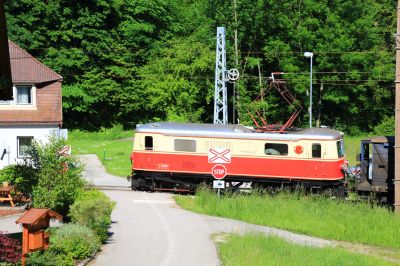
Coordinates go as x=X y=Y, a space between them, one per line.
x=5 y=194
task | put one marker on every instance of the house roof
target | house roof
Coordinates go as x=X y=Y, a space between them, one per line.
x=27 y=69
x=33 y=216
x=48 y=107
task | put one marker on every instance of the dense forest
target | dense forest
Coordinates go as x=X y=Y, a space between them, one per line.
x=135 y=61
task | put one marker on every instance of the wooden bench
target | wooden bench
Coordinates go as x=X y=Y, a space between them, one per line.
x=5 y=194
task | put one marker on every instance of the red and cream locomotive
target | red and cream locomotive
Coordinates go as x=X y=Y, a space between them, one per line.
x=178 y=156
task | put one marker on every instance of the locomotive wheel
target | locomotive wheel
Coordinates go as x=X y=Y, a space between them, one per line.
x=134 y=184
x=138 y=184
x=337 y=192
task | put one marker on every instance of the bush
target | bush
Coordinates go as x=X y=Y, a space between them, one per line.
x=386 y=127
x=10 y=249
x=58 y=176
x=74 y=240
x=93 y=209
x=23 y=177
x=48 y=258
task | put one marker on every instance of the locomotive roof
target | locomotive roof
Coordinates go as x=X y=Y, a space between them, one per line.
x=234 y=131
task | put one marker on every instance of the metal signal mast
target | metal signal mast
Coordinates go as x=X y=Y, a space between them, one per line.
x=221 y=77
x=220 y=94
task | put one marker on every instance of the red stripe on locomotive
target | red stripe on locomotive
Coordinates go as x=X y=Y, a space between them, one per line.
x=267 y=167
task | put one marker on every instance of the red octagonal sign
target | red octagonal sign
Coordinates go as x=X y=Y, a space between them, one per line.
x=219 y=171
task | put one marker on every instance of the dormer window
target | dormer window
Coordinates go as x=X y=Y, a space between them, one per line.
x=24 y=95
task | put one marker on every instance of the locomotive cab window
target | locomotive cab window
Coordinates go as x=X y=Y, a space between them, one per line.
x=148 y=143
x=276 y=149
x=340 y=148
x=185 y=145
x=316 y=150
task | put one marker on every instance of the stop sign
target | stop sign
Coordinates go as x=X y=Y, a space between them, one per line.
x=219 y=171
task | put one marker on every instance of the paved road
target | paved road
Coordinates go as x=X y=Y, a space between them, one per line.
x=96 y=175
x=150 y=229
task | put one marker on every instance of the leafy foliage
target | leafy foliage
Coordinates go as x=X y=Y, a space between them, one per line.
x=74 y=240
x=58 y=176
x=93 y=209
x=386 y=127
x=48 y=258
x=22 y=176
x=10 y=249
x=135 y=61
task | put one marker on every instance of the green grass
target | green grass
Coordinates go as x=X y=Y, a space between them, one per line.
x=315 y=216
x=108 y=142
x=352 y=147
x=260 y=250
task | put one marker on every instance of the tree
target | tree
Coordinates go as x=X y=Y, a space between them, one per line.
x=120 y=58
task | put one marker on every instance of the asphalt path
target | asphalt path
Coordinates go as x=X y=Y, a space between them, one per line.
x=150 y=229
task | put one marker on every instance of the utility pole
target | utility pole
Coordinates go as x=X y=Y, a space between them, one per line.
x=235 y=90
x=220 y=93
x=397 y=119
x=5 y=66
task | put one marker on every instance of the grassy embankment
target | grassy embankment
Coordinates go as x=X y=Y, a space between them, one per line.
x=314 y=216
x=111 y=142
x=352 y=147
x=259 y=250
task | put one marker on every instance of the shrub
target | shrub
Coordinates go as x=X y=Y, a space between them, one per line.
x=74 y=240
x=48 y=258
x=10 y=249
x=22 y=176
x=93 y=209
x=386 y=127
x=6 y=174
x=58 y=176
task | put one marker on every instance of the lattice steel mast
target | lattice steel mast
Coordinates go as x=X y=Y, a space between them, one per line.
x=220 y=94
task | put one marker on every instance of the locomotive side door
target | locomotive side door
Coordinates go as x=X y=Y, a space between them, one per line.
x=149 y=146
x=316 y=157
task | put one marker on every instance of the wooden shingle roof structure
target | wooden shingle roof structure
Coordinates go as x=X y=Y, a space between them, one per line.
x=34 y=216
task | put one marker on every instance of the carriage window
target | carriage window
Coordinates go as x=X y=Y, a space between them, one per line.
x=276 y=149
x=340 y=148
x=316 y=150
x=148 y=143
x=185 y=145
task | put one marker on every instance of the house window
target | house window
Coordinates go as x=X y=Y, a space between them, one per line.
x=24 y=94
x=148 y=143
x=276 y=149
x=316 y=150
x=185 y=145
x=23 y=144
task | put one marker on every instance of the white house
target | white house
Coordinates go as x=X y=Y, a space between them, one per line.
x=35 y=112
